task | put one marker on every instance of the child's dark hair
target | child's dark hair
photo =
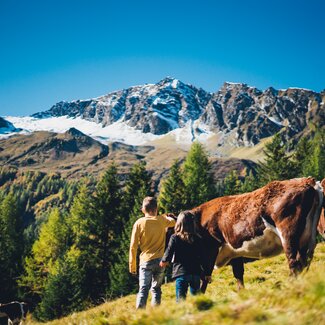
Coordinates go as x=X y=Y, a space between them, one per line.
x=185 y=227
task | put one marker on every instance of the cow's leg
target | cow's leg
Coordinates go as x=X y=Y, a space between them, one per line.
x=290 y=248
x=238 y=271
x=302 y=257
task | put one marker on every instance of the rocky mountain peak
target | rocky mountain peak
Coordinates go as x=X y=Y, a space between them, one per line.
x=155 y=108
x=248 y=112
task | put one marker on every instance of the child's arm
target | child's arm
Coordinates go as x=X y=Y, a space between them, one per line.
x=167 y=258
x=133 y=249
x=170 y=220
x=202 y=258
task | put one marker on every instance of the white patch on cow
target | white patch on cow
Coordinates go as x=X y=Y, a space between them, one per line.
x=276 y=230
x=267 y=245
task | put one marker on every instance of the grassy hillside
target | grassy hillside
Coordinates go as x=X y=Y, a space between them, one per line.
x=270 y=297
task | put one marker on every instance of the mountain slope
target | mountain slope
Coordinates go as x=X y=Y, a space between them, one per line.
x=74 y=154
x=271 y=297
x=46 y=150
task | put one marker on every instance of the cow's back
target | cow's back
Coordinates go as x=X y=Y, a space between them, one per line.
x=256 y=224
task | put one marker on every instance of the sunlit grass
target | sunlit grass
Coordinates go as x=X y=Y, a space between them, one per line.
x=270 y=297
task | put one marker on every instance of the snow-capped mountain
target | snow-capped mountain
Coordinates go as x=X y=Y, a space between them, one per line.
x=143 y=113
x=153 y=108
x=6 y=127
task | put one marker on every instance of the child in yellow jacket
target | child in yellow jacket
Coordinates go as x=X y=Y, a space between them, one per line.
x=149 y=234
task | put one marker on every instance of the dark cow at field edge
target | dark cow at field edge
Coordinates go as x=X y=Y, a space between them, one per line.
x=281 y=216
x=15 y=312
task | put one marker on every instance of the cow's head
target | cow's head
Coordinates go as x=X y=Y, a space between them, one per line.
x=321 y=223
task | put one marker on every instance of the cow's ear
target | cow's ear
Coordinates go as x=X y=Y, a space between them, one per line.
x=323 y=184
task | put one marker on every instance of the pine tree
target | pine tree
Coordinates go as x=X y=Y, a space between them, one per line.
x=11 y=247
x=172 y=192
x=197 y=177
x=277 y=164
x=137 y=187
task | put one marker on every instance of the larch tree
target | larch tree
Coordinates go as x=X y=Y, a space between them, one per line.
x=11 y=247
x=51 y=245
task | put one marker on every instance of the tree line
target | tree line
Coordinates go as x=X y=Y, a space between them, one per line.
x=77 y=254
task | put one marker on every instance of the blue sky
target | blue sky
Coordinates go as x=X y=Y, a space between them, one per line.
x=57 y=50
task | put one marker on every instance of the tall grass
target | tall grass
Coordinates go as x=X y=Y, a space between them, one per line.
x=270 y=297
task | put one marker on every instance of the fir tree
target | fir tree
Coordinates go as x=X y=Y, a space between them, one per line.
x=197 y=177
x=107 y=204
x=84 y=238
x=314 y=163
x=64 y=288
x=250 y=183
x=172 y=192
x=277 y=164
x=302 y=156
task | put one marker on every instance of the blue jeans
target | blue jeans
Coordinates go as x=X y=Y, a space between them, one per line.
x=151 y=275
x=182 y=283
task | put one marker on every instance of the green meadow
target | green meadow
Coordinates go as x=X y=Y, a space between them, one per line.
x=270 y=297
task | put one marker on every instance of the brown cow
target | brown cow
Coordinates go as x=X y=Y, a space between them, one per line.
x=281 y=216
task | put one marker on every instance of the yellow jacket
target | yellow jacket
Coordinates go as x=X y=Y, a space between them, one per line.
x=148 y=233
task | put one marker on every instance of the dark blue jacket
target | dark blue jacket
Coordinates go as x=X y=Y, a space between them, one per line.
x=186 y=257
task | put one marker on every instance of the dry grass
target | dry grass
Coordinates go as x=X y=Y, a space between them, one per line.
x=270 y=297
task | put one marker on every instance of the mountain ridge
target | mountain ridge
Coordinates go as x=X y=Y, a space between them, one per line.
x=237 y=115
x=170 y=104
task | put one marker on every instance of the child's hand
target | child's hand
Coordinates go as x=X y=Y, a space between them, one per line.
x=208 y=278
x=163 y=264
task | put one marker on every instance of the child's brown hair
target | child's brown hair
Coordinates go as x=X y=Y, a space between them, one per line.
x=186 y=227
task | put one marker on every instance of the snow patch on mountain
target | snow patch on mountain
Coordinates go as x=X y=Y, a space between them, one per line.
x=117 y=131
x=274 y=120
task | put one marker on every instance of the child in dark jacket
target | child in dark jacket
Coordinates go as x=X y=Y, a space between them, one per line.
x=184 y=253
